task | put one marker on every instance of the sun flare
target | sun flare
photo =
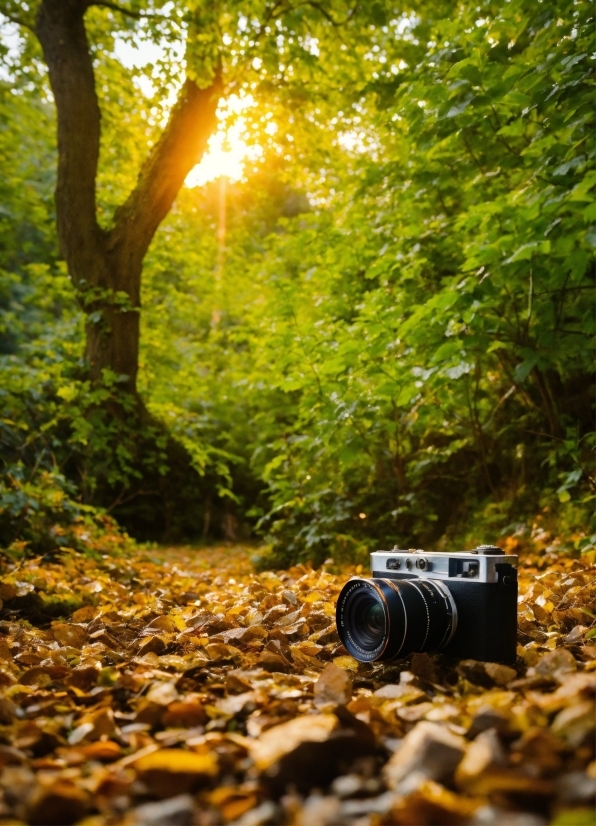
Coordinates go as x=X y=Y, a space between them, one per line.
x=227 y=151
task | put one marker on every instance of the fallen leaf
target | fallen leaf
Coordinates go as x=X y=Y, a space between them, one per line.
x=333 y=687
x=170 y=772
x=429 y=751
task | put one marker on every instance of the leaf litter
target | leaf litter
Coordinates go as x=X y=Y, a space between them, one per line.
x=180 y=687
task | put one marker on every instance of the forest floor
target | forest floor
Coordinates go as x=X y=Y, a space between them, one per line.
x=180 y=687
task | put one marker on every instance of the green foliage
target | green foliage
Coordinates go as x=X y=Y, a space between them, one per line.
x=395 y=342
x=446 y=358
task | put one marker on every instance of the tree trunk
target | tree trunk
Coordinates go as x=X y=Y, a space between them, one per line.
x=106 y=267
x=113 y=344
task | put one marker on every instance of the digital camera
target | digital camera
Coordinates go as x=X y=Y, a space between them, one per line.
x=463 y=604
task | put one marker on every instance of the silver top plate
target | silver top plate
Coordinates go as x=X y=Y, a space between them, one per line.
x=460 y=566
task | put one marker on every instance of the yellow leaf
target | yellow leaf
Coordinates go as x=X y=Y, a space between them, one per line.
x=314 y=596
x=346 y=662
x=178 y=761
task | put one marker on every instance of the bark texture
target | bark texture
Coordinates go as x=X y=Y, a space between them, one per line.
x=103 y=263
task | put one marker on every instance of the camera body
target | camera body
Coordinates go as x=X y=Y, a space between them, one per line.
x=463 y=604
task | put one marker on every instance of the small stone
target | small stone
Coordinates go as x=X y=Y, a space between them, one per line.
x=362 y=809
x=574 y=723
x=474 y=671
x=334 y=687
x=429 y=751
x=493 y=816
x=555 y=663
x=392 y=691
x=412 y=714
x=576 y=634
x=162 y=693
x=267 y=812
x=79 y=734
x=484 y=754
x=310 y=751
x=443 y=713
x=576 y=788
x=177 y=811
x=500 y=674
x=347 y=785
x=319 y=811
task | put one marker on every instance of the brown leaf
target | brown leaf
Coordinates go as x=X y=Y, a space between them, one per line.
x=43 y=675
x=217 y=652
x=61 y=804
x=333 y=687
x=432 y=803
x=103 y=750
x=163 y=624
x=84 y=677
x=278 y=741
x=68 y=634
x=235 y=684
x=151 y=645
x=84 y=614
x=288 y=618
x=273 y=662
x=8 y=591
x=10 y=756
x=423 y=666
x=186 y=714
x=538 y=748
x=5 y=652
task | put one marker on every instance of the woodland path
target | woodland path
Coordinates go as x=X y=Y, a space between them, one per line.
x=176 y=686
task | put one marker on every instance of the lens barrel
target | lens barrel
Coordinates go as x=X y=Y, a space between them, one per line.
x=387 y=619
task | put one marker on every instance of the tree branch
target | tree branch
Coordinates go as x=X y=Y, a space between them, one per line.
x=179 y=148
x=136 y=15
x=19 y=21
x=337 y=23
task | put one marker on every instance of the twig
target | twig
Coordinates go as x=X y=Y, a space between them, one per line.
x=136 y=15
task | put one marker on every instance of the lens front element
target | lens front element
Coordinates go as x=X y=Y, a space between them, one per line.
x=385 y=619
x=365 y=619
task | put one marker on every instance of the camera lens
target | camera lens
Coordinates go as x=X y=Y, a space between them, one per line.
x=366 y=617
x=383 y=619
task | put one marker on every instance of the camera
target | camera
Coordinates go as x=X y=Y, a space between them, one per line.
x=463 y=604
